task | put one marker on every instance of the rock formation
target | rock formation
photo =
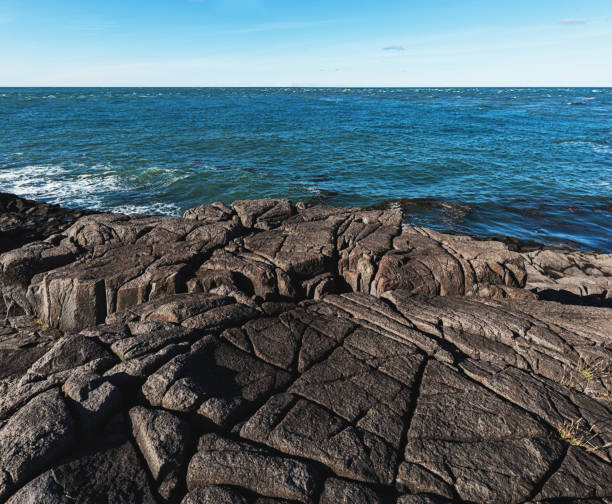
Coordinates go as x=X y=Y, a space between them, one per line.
x=270 y=352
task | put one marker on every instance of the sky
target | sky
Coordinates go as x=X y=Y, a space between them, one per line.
x=306 y=43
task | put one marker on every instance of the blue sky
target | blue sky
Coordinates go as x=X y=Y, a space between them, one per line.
x=306 y=43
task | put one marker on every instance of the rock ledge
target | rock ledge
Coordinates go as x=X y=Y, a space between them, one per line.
x=270 y=352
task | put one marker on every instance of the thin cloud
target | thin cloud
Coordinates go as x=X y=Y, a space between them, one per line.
x=394 y=48
x=574 y=21
x=288 y=25
x=231 y=3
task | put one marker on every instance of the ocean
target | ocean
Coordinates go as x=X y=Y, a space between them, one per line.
x=531 y=163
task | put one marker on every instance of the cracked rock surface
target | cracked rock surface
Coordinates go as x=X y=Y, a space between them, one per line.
x=266 y=352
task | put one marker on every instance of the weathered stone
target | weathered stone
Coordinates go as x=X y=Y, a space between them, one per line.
x=42 y=490
x=417 y=499
x=580 y=475
x=213 y=369
x=577 y=277
x=214 y=495
x=163 y=440
x=68 y=353
x=220 y=461
x=34 y=437
x=445 y=375
x=23 y=221
x=302 y=428
x=263 y=213
x=471 y=440
x=210 y=213
x=337 y=491
x=93 y=398
x=147 y=337
x=433 y=264
x=107 y=475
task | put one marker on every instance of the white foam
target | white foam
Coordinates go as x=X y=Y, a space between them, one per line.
x=56 y=184
x=153 y=208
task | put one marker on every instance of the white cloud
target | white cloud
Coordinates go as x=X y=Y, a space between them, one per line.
x=394 y=48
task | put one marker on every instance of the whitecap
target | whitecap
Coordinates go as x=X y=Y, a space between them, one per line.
x=169 y=209
x=56 y=184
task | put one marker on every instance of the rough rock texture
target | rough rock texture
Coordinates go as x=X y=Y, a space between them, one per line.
x=269 y=353
x=23 y=221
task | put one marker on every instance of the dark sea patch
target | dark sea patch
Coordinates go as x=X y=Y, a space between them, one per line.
x=529 y=163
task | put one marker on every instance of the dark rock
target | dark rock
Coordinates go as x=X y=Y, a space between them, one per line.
x=337 y=491
x=336 y=355
x=263 y=213
x=93 y=398
x=68 y=353
x=163 y=440
x=110 y=475
x=23 y=221
x=34 y=437
x=214 y=495
x=580 y=475
x=220 y=461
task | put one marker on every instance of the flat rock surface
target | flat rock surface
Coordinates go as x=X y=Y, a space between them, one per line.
x=266 y=352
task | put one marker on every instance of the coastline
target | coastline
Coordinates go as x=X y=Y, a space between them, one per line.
x=481 y=162
x=299 y=352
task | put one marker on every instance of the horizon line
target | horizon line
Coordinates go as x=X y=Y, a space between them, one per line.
x=335 y=86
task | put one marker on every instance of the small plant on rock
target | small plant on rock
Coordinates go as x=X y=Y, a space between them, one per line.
x=595 y=370
x=40 y=325
x=576 y=433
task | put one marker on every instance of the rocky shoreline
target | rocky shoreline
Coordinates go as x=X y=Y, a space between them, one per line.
x=270 y=352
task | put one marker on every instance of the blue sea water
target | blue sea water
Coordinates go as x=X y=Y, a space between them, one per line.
x=533 y=163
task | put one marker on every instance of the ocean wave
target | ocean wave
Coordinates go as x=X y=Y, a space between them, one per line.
x=168 y=209
x=60 y=185
x=57 y=184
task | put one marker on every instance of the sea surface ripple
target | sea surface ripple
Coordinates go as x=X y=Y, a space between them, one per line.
x=533 y=163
